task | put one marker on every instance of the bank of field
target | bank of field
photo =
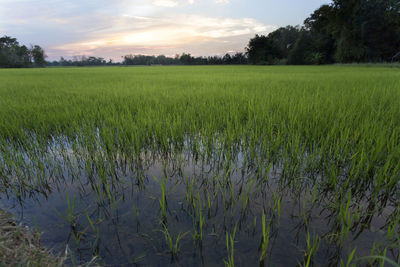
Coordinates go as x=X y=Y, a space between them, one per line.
x=210 y=165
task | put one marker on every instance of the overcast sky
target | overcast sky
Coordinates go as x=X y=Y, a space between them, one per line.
x=112 y=28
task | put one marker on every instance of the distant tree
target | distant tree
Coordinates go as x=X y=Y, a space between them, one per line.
x=9 y=52
x=94 y=61
x=321 y=28
x=273 y=48
x=261 y=50
x=25 y=56
x=344 y=31
x=82 y=60
x=239 y=58
x=215 y=60
x=366 y=30
x=303 y=52
x=227 y=59
x=38 y=56
x=64 y=62
x=284 y=39
x=186 y=59
x=13 y=55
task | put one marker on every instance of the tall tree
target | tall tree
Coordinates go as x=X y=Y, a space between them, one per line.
x=12 y=55
x=344 y=31
x=284 y=40
x=262 y=50
x=273 y=48
x=9 y=50
x=38 y=56
x=366 y=30
x=303 y=52
x=321 y=25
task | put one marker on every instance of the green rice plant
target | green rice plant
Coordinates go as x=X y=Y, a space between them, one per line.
x=173 y=245
x=327 y=137
x=346 y=219
x=311 y=251
x=382 y=260
x=230 y=248
x=277 y=205
x=350 y=260
x=209 y=205
x=70 y=216
x=266 y=228
x=163 y=199
x=190 y=191
x=198 y=220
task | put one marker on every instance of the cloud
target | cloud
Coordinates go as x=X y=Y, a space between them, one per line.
x=222 y=1
x=165 y=3
x=115 y=28
x=156 y=35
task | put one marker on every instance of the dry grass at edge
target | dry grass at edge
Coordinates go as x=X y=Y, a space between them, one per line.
x=20 y=246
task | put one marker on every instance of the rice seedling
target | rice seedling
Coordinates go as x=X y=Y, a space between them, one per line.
x=350 y=260
x=198 y=220
x=230 y=248
x=312 y=248
x=265 y=239
x=163 y=200
x=173 y=245
x=316 y=148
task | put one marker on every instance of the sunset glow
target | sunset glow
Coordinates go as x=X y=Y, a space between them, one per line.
x=112 y=29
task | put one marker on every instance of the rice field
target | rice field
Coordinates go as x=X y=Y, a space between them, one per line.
x=205 y=166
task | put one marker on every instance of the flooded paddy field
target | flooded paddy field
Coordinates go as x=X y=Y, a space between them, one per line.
x=205 y=166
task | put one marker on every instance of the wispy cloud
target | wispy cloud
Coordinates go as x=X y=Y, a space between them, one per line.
x=165 y=3
x=222 y=1
x=114 y=28
x=158 y=35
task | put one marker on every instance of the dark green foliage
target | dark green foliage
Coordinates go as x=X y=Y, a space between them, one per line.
x=80 y=61
x=284 y=39
x=302 y=52
x=12 y=55
x=185 y=59
x=261 y=50
x=321 y=30
x=366 y=30
x=344 y=31
x=273 y=48
x=38 y=56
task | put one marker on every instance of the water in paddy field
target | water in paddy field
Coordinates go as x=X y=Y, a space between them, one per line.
x=185 y=210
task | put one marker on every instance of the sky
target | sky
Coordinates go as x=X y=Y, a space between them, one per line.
x=113 y=28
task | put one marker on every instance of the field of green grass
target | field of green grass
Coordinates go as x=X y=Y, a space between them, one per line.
x=218 y=165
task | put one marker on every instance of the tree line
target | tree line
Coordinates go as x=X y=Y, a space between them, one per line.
x=186 y=59
x=183 y=59
x=80 y=61
x=14 y=55
x=344 y=31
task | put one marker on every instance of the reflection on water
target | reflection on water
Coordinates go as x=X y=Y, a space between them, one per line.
x=157 y=209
